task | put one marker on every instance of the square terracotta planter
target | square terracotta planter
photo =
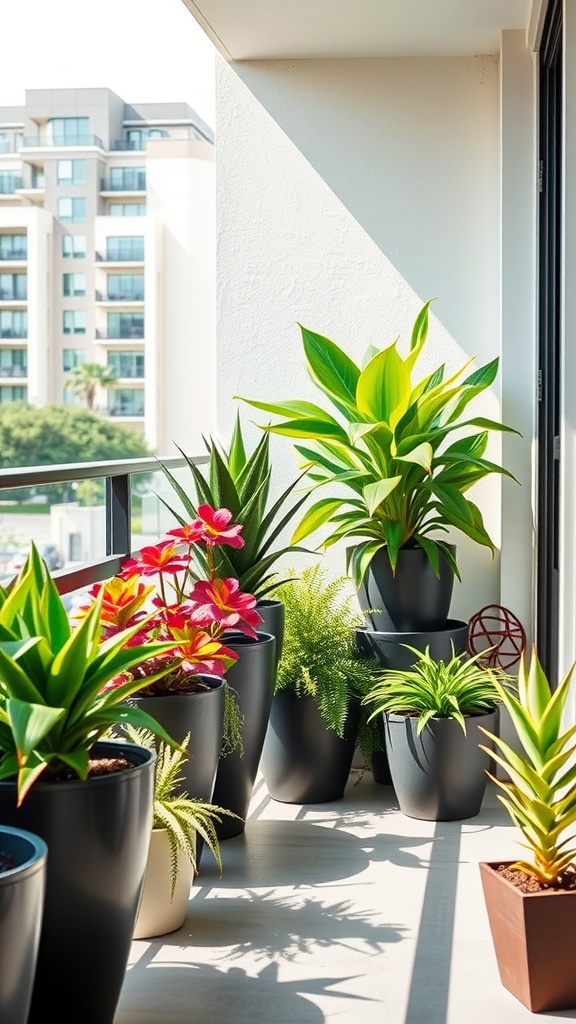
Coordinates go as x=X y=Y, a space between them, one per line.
x=533 y=935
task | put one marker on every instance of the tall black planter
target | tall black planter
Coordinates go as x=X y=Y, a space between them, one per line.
x=411 y=600
x=21 y=904
x=253 y=678
x=273 y=620
x=98 y=834
x=439 y=775
x=202 y=715
x=304 y=762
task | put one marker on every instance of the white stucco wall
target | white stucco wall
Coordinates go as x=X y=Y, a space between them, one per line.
x=348 y=193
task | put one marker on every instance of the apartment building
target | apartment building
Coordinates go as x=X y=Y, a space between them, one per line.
x=107 y=255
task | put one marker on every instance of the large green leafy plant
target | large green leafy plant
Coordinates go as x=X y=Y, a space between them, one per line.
x=539 y=794
x=383 y=439
x=241 y=483
x=320 y=658
x=54 y=700
x=456 y=689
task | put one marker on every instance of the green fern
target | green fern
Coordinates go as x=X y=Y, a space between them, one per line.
x=183 y=817
x=320 y=658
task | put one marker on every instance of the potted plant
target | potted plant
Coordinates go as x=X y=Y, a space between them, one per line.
x=432 y=715
x=384 y=442
x=317 y=716
x=190 y=697
x=241 y=482
x=22 y=885
x=172 y=857
x=531 y=902
x=89 y=800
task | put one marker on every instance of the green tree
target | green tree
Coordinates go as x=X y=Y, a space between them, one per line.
x=59 y=434
x=85 y=379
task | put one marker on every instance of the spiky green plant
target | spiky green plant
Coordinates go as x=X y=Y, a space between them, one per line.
x=320 y=658
x=540 y=796
x=241 y=483
x=436 y=689
x=182 y=817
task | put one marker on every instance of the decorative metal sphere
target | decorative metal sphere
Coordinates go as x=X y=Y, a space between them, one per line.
x=497 y=632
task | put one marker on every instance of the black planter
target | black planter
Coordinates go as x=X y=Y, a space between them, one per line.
x=98 y=834
x=304 y=762
x=252 y=678
x=412 y=599
x=21 y=903
x=273 y=619
x=441 y=774
x=390 y=649
x=202 y=715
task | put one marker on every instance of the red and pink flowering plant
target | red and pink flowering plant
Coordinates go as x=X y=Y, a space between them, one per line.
x=194 y=613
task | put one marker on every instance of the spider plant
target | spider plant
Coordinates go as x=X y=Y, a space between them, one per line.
x=457 y=689
x=182 y=817
x=540 y=796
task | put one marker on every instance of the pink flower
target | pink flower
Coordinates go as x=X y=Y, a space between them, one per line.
x=223 y=602
x=191 y=533
x=215 y=528
x=161 y=557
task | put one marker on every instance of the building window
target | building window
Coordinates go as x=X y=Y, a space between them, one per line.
x=72 y=209
x=13 y=362
x=126 y=401
x=4 y=142
x=71 y=172
x=74 y=246
x=125 y=325
x=126 y=287
x=74 y=321
x=126 y=364
x=68 y=131
x=38 y=180
x=9 y=182
x=127 y=209
x=12 y=394
x=13 y=247
x=125 y=247
x=136 y=138
x=13 y=287
x=73 y=285
x=13 y=323
x=72 y=357
x=127 y=179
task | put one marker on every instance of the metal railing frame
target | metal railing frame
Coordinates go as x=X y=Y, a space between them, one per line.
x=118 y=477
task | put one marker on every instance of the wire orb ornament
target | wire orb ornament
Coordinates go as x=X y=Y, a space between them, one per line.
x=497 y=632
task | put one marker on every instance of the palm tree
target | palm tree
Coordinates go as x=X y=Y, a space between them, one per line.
x=85 y=379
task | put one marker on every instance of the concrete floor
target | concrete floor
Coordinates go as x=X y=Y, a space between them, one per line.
x=346 y=912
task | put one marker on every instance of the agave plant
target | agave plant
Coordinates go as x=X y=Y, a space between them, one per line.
x=384 y=441
x=540 y=796
x=455 y=689
x=55 y=701
x=182 y=817
x=241 y=483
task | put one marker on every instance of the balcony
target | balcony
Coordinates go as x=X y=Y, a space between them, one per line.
x=118 y=256
x=127 y=298
x=9 y=184
x=13 y=371
x=127 y=412
x=60 y=142
x=17 y=255
x=136 y=186
x=133 y=334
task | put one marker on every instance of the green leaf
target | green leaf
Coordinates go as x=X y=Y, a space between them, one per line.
x=376 y=493
x=330 y=368
x=361 y=558
x=383 y=390
x=304 y=410
x=419 y=335
x=316 y=516
x=422 y=456
x=30 y=724
x=237 y=452
x=312 y=429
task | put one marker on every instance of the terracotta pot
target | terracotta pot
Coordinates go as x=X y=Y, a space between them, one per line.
x=161 y=911
x=533 y=935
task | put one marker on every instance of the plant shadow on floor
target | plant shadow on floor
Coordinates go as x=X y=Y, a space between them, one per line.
x=266 y=926
x=160 y=991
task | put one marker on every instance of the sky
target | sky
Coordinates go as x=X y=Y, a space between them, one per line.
x=144 y=50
